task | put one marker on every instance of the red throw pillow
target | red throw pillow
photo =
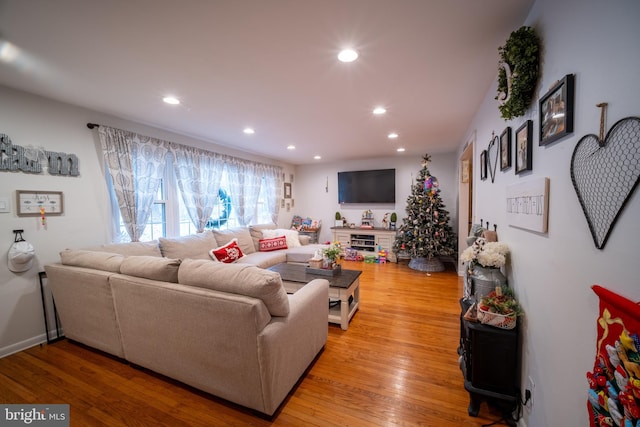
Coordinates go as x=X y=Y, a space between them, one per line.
x=268 y=245
x=228 y=253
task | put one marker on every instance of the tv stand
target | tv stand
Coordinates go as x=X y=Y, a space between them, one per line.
x=366 y=240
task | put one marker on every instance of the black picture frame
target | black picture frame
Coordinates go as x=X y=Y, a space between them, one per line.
x=505 y=149
x=556 y=111
x=523 y=147
x=287 y=190
x=483 y=165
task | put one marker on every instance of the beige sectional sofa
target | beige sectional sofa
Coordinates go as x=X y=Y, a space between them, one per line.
x=228 y=329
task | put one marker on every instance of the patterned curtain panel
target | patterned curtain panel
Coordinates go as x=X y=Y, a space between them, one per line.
x=136 y=164
x=198 y=173
x=241 y=174
x=246 y=179
x=273 y=189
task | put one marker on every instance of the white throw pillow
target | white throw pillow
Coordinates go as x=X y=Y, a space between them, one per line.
x=292 y=236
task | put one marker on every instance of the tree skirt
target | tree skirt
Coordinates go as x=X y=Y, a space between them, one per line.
x=614 y=383
x=431 y=264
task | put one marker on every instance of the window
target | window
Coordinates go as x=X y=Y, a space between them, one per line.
x=169 y=216
x=157 y=223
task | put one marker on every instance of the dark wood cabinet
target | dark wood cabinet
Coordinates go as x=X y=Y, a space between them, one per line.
x=489 y=364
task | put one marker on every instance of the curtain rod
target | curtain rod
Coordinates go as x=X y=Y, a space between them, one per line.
x=93 y=125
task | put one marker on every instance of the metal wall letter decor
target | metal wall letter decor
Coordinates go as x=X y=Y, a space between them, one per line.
x=17 y=158
x=605 y=172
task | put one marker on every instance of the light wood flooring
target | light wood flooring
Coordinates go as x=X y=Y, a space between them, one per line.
x=396 y=365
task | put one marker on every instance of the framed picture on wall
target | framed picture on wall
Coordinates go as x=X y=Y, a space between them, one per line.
x=524 y=149
x=556 y=111
x=505 y=149
x=35 y=203
x=287 y=190
x=483 y=165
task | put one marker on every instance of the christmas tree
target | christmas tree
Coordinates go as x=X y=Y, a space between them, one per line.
x=425 y=233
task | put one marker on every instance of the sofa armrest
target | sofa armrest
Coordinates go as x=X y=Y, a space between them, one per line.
x=288 y=345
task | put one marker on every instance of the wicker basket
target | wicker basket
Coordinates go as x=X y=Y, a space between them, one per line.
x=315 y=263
x=502 y=321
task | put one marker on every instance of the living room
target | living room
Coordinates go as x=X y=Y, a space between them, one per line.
x=551 y=272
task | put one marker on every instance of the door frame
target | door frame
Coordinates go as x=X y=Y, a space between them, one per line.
x=465 y=199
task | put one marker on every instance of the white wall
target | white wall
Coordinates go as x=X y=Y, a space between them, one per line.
x=34 y=121
x=552 y=273
x=315 y=188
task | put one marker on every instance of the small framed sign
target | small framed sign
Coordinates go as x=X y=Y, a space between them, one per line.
x=31 y=203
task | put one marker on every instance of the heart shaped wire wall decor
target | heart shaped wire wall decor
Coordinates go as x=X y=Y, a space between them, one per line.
x=605 y=172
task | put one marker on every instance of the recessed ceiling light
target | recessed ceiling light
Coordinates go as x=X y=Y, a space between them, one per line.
x=379 y=111
x=317 y=157
x=249 y=131
x=400 y=150
x=8 y=51
x=392 y=135
x=348 y=55
x=171 y=100
x=291 y=147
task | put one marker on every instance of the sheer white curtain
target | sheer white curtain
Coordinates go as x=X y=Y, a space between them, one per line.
x=272 y=181
x=198 y=173
x=244 y=180
x=136 y=164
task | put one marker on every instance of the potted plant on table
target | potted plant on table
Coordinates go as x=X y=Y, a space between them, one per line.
x=499 y=308
x=392 y=221
x=331 y=254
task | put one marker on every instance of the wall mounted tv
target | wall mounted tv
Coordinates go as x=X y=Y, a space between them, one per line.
x=370 y=186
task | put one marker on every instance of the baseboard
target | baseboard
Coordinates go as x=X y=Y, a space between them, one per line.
x=31 y=342
x=23 y=345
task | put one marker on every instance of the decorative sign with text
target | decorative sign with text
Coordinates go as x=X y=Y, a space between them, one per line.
x=528 y=204
x=17 y=158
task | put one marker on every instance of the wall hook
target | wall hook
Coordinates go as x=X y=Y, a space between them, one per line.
x=18 y=236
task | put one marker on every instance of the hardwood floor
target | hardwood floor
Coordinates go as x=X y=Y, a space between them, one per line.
x=396 y=365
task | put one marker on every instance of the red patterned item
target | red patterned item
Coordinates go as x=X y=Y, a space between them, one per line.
x=268 y=245
x=614 y=383
x=228 y=253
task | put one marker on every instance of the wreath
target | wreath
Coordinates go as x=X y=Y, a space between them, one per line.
x=517 y=72
x=225 y=200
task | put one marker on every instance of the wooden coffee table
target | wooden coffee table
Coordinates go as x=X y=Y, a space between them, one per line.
x=341 y=287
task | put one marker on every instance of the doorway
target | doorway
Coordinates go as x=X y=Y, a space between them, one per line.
x=465 y=199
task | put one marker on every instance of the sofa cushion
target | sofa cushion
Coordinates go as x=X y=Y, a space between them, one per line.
x=195 y=246
x=275 y=244
x=256 y=233
x=151 y=267
x=132 y=248
x=241 y=233
x=264 y=259
x=241 y=279
x=227 y=253
x=105 y=261
x=292 y=236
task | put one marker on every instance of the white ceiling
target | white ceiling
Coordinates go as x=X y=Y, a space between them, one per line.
x=269 y=64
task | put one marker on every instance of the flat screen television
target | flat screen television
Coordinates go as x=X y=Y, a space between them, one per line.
x=369 y=186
